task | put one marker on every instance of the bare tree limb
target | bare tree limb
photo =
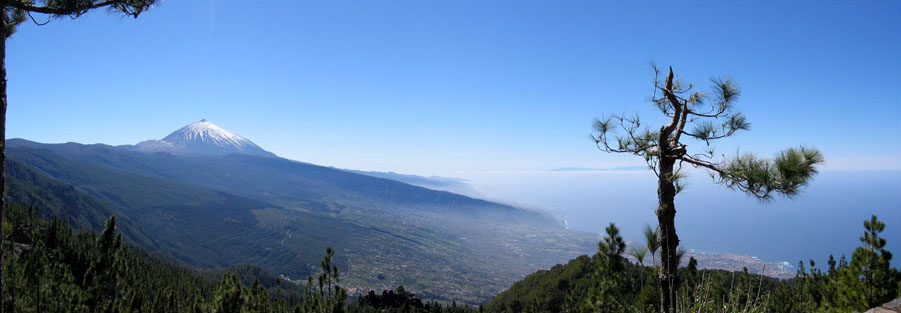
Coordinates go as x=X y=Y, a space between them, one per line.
x=665 y=131
x=718 y=113
x=704 y=164
x=681 y=127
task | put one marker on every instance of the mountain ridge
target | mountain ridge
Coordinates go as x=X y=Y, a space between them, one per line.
x=275 y=177
x=214 y=211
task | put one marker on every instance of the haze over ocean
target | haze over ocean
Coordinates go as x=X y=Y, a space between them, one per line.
x=827 y=218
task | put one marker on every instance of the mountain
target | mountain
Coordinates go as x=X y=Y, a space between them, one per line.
x=215 y=210
x=56 y=199
x=202 y=138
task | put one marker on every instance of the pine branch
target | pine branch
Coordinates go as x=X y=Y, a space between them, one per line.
x=785 y=174
x=63 y=8
x=700 y=163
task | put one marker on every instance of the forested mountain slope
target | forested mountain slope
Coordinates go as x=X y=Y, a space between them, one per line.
x=48 y=267
x=214 y=211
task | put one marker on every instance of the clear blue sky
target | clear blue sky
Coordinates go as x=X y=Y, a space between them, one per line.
x=440 y=87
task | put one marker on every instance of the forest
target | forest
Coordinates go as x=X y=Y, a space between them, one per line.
x=51 y=267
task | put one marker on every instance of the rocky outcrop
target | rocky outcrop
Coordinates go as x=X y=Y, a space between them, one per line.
x=893 y=306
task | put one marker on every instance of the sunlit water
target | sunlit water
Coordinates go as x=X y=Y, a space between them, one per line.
x=826 y=218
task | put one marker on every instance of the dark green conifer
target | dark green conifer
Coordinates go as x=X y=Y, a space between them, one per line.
x=229 y=296
x=607 y=295
x=875 y=264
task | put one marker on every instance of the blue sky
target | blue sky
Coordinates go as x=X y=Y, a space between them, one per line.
x=449 y=88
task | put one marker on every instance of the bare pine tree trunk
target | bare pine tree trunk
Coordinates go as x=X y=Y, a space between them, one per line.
x=666 y=237
x=4 y=29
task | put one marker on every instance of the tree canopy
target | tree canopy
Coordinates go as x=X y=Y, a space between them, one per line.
x=705 y=117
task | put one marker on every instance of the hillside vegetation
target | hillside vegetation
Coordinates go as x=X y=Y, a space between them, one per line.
x=607 y=282
x=51 y=268
x=214 y=212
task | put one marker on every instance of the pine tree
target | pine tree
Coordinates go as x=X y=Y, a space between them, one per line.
x=691 y=278
x=665 y=153
x=102 y=275
x=259 y=298
x=875 y=264
x=198 y=306
x=229 y=296
x=611 y=250
x=607 y=293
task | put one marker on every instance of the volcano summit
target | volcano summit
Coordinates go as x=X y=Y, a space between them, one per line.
x=202 y=138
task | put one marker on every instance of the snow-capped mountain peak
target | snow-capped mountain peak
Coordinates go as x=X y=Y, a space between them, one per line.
x=203 y=138
x=205 y=131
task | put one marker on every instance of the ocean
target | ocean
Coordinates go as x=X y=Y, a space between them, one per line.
x=826 y=218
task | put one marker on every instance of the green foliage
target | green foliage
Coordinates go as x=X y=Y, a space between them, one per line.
x=402 y=301
x=228 y=297
x=746 y=293
x=866 y=281
x=790 y=170
x=609 y=292
x=875 y=264
x=48 y=267
x=611 y=249
x=559 y=289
